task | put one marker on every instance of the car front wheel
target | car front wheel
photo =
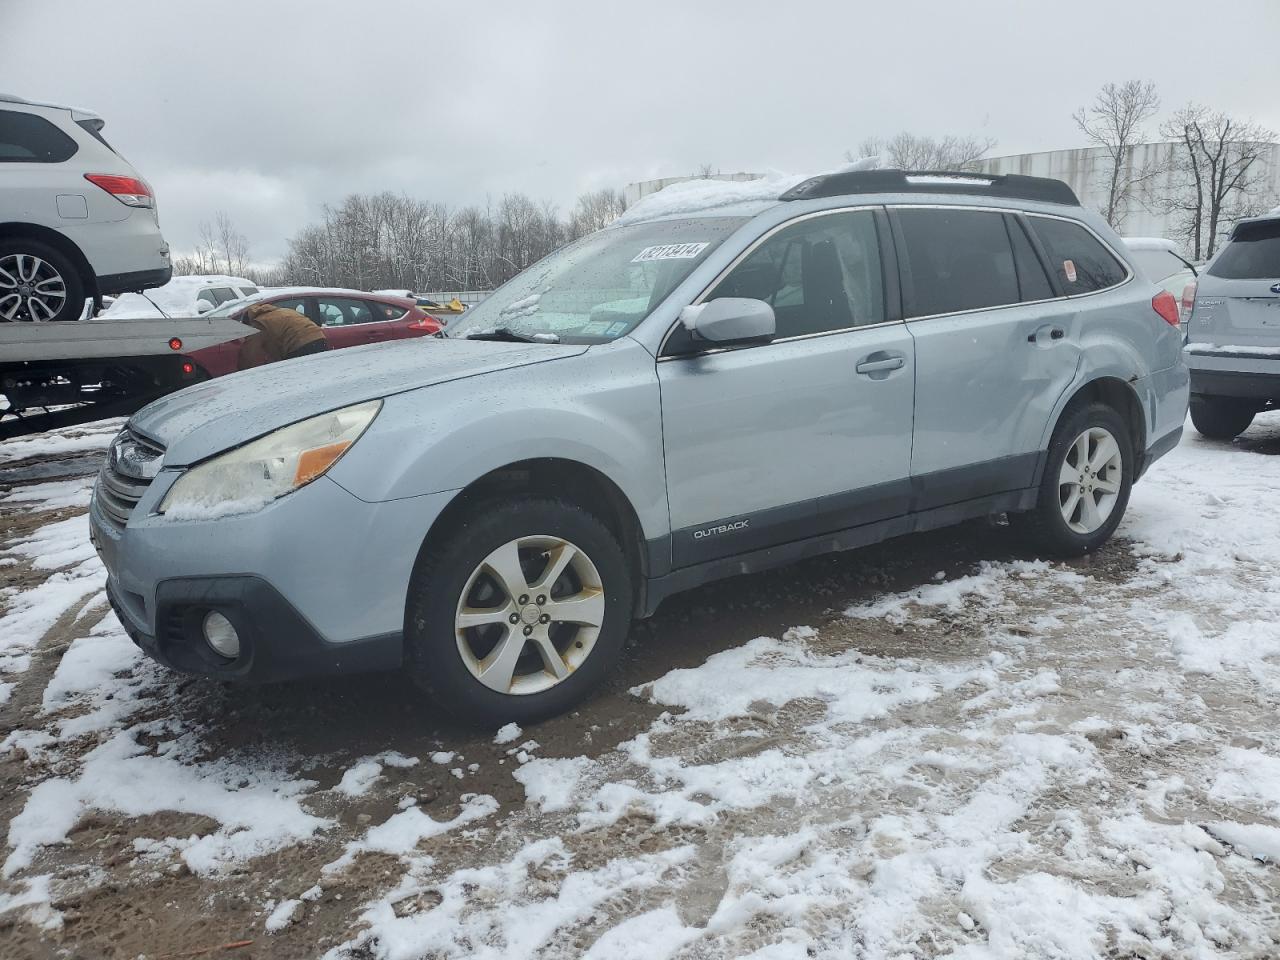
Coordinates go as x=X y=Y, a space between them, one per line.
x=38 y=283
x=519 y=612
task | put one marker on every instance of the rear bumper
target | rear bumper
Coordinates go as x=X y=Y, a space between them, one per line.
x=132 y=282
x=1252 y=374
x=276 y=642
x=1226 y=383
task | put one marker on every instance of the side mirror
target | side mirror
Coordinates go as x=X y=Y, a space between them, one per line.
x=203 y=307
x=730 y=320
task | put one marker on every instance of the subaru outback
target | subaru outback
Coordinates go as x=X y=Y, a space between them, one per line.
x=679 y=397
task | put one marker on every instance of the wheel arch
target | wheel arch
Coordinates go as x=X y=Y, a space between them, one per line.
x=554 y=477
x=12 y=230
x=1118 y=394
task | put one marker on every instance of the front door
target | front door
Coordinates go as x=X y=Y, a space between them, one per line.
x=808 y=434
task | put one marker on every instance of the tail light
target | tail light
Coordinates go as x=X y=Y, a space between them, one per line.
x=1188 y=299
x=130 y=191
x=427 y=323
x=1164 y=304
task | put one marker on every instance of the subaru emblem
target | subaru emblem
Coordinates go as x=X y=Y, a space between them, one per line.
x=1275 y=288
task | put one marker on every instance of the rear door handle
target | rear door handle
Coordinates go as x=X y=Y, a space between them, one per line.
x=877 y=366
x=1053 y=333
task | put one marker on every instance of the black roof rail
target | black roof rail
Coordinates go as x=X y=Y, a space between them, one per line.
x=1010 y=186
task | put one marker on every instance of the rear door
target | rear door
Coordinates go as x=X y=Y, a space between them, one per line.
x=347 y=321
x=1238 y=296
x=994 y=350
x=393 y=321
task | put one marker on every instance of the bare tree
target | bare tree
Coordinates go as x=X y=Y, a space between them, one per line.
x=1221 y=172
x=909 y=151
x=222 y=249
x=596 y=210
x=1114 y=122
x=706 y=171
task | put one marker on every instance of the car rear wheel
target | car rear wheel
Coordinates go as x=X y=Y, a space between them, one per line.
x=519 y=613
x=1085 y=489
x=38 y=283
x=1221 y=418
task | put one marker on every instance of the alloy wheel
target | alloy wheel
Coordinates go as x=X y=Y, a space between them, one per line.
x=31 y=288
x=1090 y=480
x=529 y=615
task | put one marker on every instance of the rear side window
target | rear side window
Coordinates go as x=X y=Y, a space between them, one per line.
x=26 y=138
x=1252 y=254
x=957 y=260
x=1081 y=262
x=386 y=311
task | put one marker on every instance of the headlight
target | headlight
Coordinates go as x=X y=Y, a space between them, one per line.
x=248 y=478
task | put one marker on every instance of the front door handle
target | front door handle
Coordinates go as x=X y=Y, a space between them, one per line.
x=879 y=366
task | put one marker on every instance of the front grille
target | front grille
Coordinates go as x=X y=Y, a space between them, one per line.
x=131 y=465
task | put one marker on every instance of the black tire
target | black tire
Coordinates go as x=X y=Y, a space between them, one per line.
x=72 y=285
x=431 y=647
x=1044 y=527
x=1221 y=418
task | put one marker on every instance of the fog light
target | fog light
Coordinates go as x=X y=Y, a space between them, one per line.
x=221 y=635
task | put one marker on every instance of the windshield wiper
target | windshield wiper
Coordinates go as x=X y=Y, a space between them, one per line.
x=507 y=335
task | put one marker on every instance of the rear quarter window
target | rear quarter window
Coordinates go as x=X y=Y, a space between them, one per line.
x=1080 y=260
x=26 y=138
x=1253 y=253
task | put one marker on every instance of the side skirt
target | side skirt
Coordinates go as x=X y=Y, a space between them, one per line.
x=657 y=589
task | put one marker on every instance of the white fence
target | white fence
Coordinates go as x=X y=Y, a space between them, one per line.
x=468 y=297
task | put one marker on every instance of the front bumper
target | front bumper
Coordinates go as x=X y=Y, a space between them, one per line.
x=315 y=582
x=276 y=642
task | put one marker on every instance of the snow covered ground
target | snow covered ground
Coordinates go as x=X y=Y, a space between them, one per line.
x=946 y=749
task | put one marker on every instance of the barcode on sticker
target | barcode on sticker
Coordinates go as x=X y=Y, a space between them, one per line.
x=669 y=251
x=1069 y=268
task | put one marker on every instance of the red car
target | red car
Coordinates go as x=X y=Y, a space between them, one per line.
x=349 y=318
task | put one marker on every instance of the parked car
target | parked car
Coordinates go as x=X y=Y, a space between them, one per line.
x=189 y=296
x=77 y=222
x=673 y=399
x=349 y=318
x=1164 y=264
x=1233 y=337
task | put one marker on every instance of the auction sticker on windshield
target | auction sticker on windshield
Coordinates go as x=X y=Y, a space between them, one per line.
x=669 y=251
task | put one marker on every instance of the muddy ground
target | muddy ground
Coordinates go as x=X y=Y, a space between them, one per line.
x=125 y=907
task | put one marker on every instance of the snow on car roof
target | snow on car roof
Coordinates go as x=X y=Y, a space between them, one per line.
x=692 y=197
x=176 y=298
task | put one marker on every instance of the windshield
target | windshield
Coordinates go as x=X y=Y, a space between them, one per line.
x=600 y=287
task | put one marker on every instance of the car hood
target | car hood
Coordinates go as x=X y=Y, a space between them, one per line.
x=228 y=411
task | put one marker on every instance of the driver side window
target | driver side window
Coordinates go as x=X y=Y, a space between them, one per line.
x=820 y=274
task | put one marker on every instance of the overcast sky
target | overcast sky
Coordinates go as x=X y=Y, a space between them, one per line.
x=271 y=108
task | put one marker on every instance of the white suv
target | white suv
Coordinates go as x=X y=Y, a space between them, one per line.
x=77 y=222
